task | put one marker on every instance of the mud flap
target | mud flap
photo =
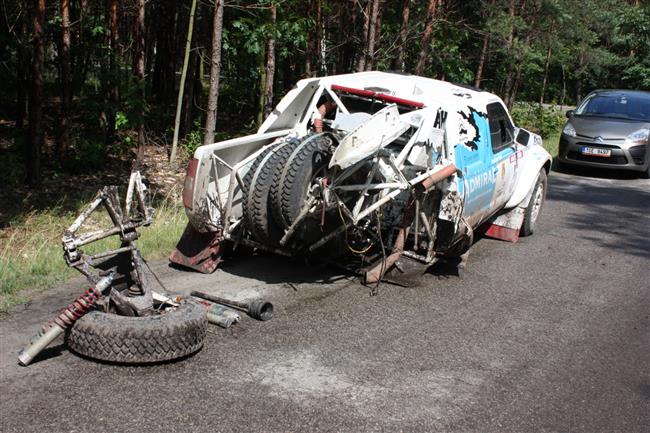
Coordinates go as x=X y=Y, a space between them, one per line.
x=507 y=226
x=198 y=251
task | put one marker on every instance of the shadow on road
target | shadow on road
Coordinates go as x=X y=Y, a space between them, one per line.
x=272 y=269
x=611 y=209
x=586 y=172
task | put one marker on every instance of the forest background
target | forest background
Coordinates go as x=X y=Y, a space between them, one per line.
x=87 y=86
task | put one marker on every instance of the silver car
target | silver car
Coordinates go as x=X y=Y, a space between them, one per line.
x=610 y=129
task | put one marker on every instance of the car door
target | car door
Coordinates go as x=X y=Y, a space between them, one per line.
x=473 y=157
x=505 y=156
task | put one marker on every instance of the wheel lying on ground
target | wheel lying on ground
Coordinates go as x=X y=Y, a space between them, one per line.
x=257 y=203
x=309 y=157
x=535 y=206
x=140 y=340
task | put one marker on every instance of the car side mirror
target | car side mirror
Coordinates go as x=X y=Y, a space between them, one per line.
x=570 y=114
x=523 y=137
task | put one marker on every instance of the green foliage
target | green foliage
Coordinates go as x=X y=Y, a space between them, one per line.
x=88 y=154
x=538 y=119
x=121 y=120
x=193 y=139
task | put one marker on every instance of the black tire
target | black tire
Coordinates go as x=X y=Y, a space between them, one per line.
x=248 y=178
x=534 y=208
x=140 y=340
x=562 y=167
x=305 y=161
x=263 y=227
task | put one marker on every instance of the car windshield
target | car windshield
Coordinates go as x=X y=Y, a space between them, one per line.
x=618 y=106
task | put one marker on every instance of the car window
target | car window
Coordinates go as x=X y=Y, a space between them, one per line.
x=620 y=105
x=502 y=131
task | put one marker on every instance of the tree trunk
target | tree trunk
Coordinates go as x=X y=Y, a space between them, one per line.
x=346 y=30
x=190 y=97
x=380 y=16
x=310 y=49
x=361 y=64
x=482 y=58
x=427 y=36
x=113 y=91
x=164 y=80
x=545 y=80
x=215 y=72
x=372 y=35
x=36 y=96
x=563 y=94
x=80 y=68
x=181 y=86
x=484 y=48
x=139 y=72
x=579 y=73
x=508 y=84
x=270 y=67
x=517 y=69
x=22 y=73
x=63 y=139
x=320 y=42
x=398 y=63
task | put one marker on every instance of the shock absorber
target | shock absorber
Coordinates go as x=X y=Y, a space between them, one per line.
x=66 y=318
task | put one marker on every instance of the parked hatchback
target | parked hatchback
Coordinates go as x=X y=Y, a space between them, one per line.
x=610 y=129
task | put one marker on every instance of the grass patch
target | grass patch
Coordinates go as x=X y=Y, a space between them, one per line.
x=552 y=143
x=31 y=255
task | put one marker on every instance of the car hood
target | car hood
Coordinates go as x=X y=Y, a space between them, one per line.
x=606 y=128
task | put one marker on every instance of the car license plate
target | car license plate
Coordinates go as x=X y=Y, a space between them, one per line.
x=596 y=151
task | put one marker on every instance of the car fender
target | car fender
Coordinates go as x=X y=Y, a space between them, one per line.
x=535 y=158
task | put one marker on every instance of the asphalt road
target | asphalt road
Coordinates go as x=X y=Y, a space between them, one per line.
x=549 y=334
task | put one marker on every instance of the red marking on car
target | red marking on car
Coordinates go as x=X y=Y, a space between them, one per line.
x=516 y=156
x=377 y=95
x=502 y=233
x=188 y=185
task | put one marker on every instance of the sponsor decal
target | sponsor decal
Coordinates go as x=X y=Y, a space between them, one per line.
x=481 y=181
x=468 y=129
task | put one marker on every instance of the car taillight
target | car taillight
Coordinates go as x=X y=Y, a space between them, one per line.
x=188 y=185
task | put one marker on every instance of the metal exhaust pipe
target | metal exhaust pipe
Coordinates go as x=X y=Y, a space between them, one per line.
x=257 y=309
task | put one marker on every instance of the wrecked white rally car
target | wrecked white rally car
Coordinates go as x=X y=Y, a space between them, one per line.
x=365 y=168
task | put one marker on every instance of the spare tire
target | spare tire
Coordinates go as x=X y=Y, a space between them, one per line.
x=140 y=340
x=258 y=219
x=248 y=178
x=309 y=157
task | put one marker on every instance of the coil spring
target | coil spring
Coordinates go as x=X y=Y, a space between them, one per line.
x=77 y=308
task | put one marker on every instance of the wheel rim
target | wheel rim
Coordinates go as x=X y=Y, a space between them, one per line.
x=538 y=199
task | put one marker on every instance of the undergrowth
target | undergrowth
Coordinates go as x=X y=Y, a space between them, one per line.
x=31 y=255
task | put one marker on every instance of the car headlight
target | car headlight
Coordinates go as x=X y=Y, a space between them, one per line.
x=569 y=130
x=638 y=137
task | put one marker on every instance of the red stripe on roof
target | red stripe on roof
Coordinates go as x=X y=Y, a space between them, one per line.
x=377 y=95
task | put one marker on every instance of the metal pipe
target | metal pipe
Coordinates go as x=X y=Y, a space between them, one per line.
x=82 y=217
x=400 y=185
x=219 y=315
x=110 y=253
x=299 y=219
x=329 y=237
x=375 y=274
x=253 y=244
x=257 y=309
x=436 y=177
x=66 y=318
x=432 y=176
x=415 y=256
